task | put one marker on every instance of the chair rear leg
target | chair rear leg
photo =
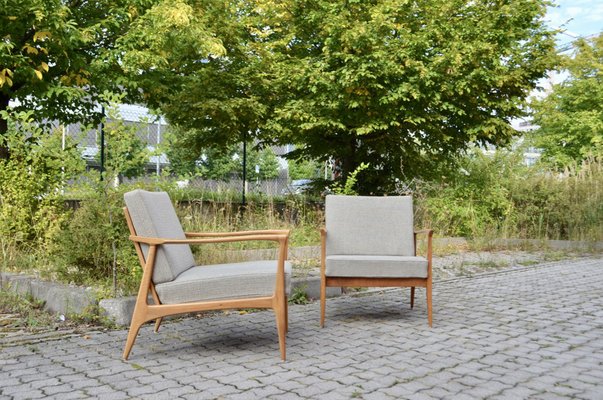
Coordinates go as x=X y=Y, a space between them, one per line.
x=280 y=312
x=429 y=305
x=412 y=297
x=157 y=324
x=157 y=302
x=286 y=315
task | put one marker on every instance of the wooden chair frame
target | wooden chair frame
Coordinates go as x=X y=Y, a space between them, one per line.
x=144 y=312
x=326 y=281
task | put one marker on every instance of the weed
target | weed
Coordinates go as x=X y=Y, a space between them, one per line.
x=26 y=313
x=299 y=295
x=92 y=315
x=527 y=263
x=490 y=264
x=554 y=256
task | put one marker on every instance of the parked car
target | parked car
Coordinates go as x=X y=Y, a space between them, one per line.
x=298 y=186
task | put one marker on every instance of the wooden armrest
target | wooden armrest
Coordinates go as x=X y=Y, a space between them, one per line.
x=429 y=233
x=160 y=241
x=240 y=233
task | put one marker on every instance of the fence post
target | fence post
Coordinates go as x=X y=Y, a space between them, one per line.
x=157 y=155
x=102 y=144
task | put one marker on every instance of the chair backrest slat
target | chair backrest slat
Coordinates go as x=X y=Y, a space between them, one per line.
x=153 y=215
x=369 y=225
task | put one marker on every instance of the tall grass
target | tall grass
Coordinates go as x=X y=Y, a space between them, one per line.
x=498 y=197
x=487 y=198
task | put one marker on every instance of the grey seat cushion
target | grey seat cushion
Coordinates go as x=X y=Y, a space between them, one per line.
x=224 y=281
x=371 y=266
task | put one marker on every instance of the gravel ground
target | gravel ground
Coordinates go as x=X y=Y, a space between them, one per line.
x=464 y=263
x=472 y=263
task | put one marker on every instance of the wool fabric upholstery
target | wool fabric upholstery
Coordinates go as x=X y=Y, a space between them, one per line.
x=153 y=215
x=366 y=225
x=224 y=281
x=376 y=266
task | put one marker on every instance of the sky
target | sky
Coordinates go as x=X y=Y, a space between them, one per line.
x=579 y=18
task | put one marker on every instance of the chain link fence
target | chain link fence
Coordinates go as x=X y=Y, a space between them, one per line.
x=151 y=130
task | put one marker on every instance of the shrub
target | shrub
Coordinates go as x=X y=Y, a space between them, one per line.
x=94 y=246
x=495 y=195
x=31 y=205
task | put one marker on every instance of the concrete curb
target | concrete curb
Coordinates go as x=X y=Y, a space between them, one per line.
x=57 y=298
x=69 y=300
x=73 y=300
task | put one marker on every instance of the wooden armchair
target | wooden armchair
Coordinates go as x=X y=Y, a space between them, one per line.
x=370 y=242
x=179 y=286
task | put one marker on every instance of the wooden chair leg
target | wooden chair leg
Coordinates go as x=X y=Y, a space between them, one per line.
x=156 y=300
x=280 y=312
x=412 y=297
x=157 y=324
x=429 y=305
x=132 y=333
x=323 y=301
x=286 y=315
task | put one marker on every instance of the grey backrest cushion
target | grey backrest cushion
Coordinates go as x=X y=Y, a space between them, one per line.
x=367 y=225
x=153 y=215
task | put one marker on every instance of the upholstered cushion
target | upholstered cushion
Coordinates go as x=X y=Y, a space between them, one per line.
x=224 y=281
x=376 y=266
x=153 y=215
x=363 y=225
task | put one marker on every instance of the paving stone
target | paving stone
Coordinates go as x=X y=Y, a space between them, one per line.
x=494 y=336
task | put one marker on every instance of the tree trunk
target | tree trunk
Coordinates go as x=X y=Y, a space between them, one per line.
x=4 y=150
x=348 y=161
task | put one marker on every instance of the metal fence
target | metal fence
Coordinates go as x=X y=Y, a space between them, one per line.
x=151 y=129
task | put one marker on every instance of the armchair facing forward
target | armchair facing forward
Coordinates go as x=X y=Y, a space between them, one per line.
x=178 y=286
x=371 y=242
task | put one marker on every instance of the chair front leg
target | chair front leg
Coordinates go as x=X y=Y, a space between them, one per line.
x=141 y=307
x=280 y=312
x=323 y=278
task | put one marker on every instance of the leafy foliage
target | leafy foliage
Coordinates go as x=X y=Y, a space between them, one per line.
x=218 y=163
x=303 y=169
x=472 y=199
x=126 y=153
x=202 y=71
x=496 y=195
x=348 y=188
x=93 y=246
x=402 y=85
x=571 y=116
x=31 y=181
x=53 y=54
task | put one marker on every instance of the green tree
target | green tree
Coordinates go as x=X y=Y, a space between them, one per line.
x=126 y=154
x=53 y=56
x=201 y=72
x=266 y=161
x=570 y=117
x=182 y=157
x=401 y=85
x=303 y=169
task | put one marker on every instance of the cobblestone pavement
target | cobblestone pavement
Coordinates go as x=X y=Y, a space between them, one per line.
x=528 y=333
